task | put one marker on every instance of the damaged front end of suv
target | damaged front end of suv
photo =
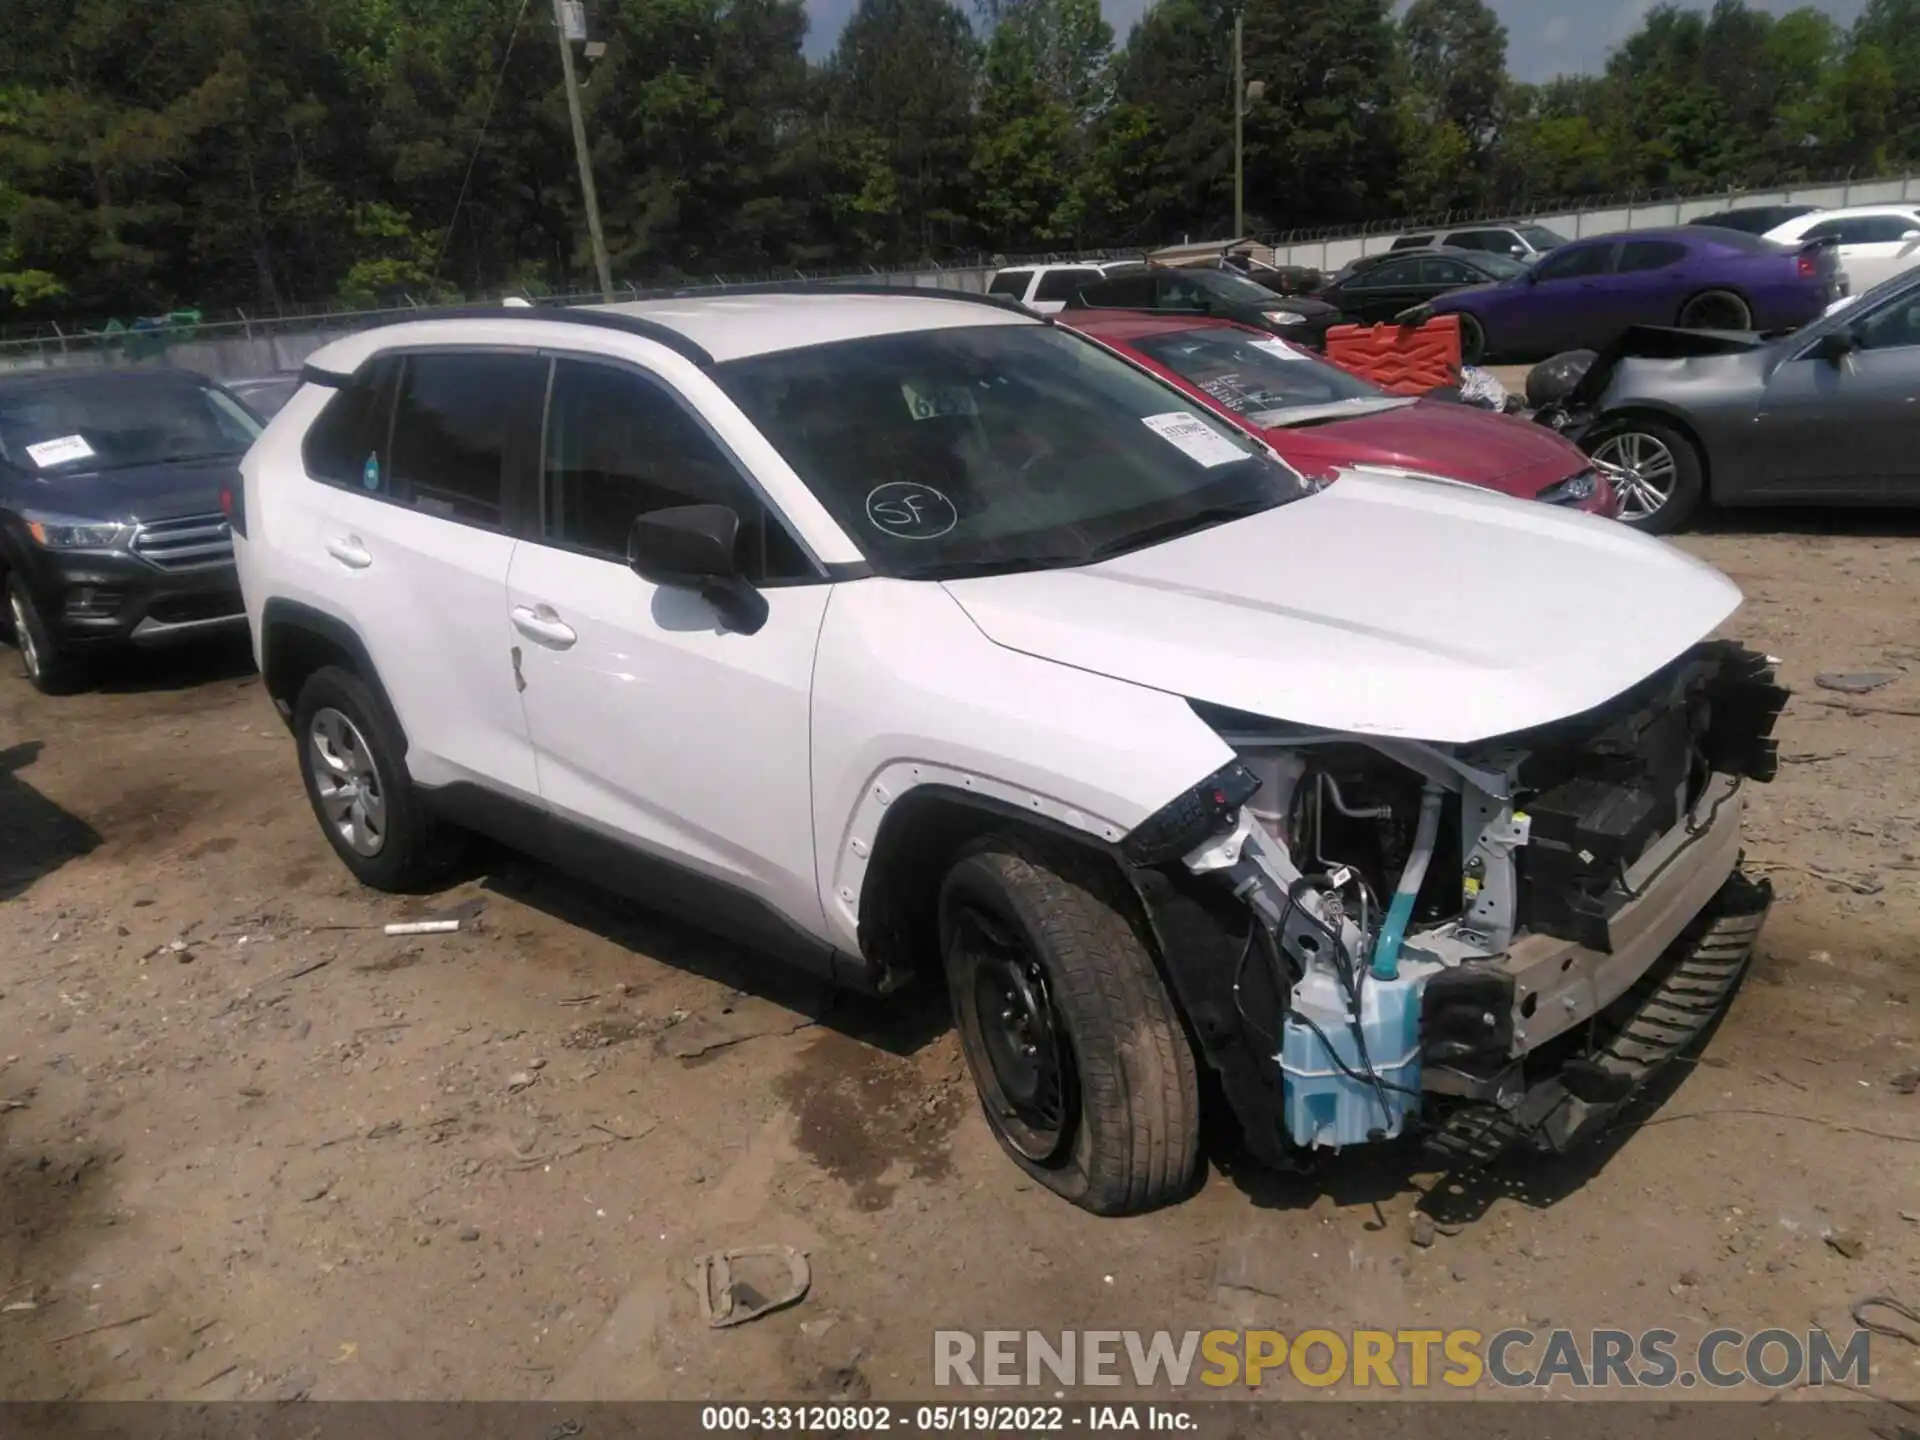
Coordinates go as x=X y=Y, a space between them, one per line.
x=1490 y=943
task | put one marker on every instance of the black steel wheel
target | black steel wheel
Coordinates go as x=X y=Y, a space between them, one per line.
x=1084 y=1073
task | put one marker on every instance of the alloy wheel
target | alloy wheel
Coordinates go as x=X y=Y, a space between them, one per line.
x=23 y=636
x=1645 y=472
x=347 y=781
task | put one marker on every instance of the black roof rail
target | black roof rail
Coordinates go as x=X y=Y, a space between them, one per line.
x=569 y=314
x=839 y=287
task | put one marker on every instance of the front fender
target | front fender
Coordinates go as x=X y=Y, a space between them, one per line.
x=908 y=693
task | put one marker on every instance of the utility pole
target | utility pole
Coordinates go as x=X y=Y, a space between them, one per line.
x=1239 y=117
x=587 y=192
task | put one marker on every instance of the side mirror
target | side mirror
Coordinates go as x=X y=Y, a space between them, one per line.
x=1909 y=236
x=691 y=547
x=1835 y=346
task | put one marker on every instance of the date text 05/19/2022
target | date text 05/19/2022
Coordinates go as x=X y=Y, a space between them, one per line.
x=870 y=1419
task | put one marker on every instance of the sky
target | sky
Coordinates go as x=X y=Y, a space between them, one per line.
x=1544 y=37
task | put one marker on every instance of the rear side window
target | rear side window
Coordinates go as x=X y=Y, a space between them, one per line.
x=1411 y=242
x=1439 y=270
x=1650 y=255
x=618 y=446
x=1864 y=230
x=347 y=444
x=1010 y=282
x=451 y=425
x=1385 y=277
x=1498 y=241
x=1060 y=284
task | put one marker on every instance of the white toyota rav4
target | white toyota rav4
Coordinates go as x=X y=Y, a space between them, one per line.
x=908 y=633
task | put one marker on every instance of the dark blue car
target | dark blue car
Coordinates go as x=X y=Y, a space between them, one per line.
x=111 y=523
x=1586 y=293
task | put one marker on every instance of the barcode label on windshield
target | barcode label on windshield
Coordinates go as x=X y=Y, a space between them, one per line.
x=1194 y=438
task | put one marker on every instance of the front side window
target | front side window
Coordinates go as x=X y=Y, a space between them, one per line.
x=999 y=447
x=452 y=418
x=117 y=422
x=1894 y=326
x=1575 y=262
x=1492 y=240
x=1541 y=238
x=618 y=446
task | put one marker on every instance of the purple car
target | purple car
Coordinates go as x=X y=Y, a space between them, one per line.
x=1584 y=294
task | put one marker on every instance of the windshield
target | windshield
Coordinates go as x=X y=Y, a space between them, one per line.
x=1254 y=376
x=999 y=447
x=1541 y=238
x=1501 y=267
x=113 y=422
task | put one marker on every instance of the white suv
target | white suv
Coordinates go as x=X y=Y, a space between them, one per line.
x=907 y=634
x=1045 y=289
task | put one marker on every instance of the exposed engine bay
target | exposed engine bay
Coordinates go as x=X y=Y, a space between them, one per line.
x=1453 y=936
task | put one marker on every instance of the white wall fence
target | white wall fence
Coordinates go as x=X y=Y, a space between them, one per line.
x=237 y=349
x=1331 y=251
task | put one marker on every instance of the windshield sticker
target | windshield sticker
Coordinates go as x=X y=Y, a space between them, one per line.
x=68 y=448
x=910 y=512
x=1279 y=349
x=370 y=473
x=1194 y=438
x=933 y=404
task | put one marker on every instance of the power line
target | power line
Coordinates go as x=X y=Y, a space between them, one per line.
x=486 y=120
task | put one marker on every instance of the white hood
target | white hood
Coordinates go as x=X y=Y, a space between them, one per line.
x=1379 y=607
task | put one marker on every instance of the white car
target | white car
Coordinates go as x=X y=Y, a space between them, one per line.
x=1045 y=289
x=906 y=634
x=1875 y=242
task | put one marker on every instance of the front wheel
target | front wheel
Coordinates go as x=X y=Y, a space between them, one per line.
x=1086 y=1077
x=1657 y=469
x=1473 y=339
x=50 y=672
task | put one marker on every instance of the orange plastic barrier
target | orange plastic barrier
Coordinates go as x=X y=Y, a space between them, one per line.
x=1400 y=359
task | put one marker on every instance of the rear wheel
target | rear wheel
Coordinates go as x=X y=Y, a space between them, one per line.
x=1658 y=472
x=1716 y=310
x=1085 y=1075
x=354 y=768
x=40 y=659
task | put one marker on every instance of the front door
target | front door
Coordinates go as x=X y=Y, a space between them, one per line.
x=654 y=725
x=1565 y=306
x=1830 y=429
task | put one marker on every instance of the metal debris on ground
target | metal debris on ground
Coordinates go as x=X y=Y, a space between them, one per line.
x=1855 y=682
x=728 y=1300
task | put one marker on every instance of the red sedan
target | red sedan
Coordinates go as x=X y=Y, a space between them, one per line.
x=1322 y=418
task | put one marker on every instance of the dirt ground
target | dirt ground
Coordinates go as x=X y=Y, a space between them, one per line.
x=251 y=1147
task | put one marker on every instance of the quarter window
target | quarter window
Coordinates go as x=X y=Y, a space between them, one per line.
x=618 y=446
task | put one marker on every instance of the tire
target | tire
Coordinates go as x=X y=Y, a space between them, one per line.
x=353 y=765
x=1039 y=947
x=1666 y=484
x=1473 y=339
x=1716 y=310
x=50 y=672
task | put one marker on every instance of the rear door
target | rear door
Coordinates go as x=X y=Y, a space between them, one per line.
x=423 y=468
x=1848 y=430
x=1874 y=248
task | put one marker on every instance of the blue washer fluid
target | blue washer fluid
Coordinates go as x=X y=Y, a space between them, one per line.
x=1325 y=1108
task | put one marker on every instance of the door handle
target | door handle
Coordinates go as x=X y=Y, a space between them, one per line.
x=542 y=624
x=348 y=550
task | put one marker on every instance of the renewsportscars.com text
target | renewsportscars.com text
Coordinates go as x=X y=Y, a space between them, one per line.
x=1400 y=1359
